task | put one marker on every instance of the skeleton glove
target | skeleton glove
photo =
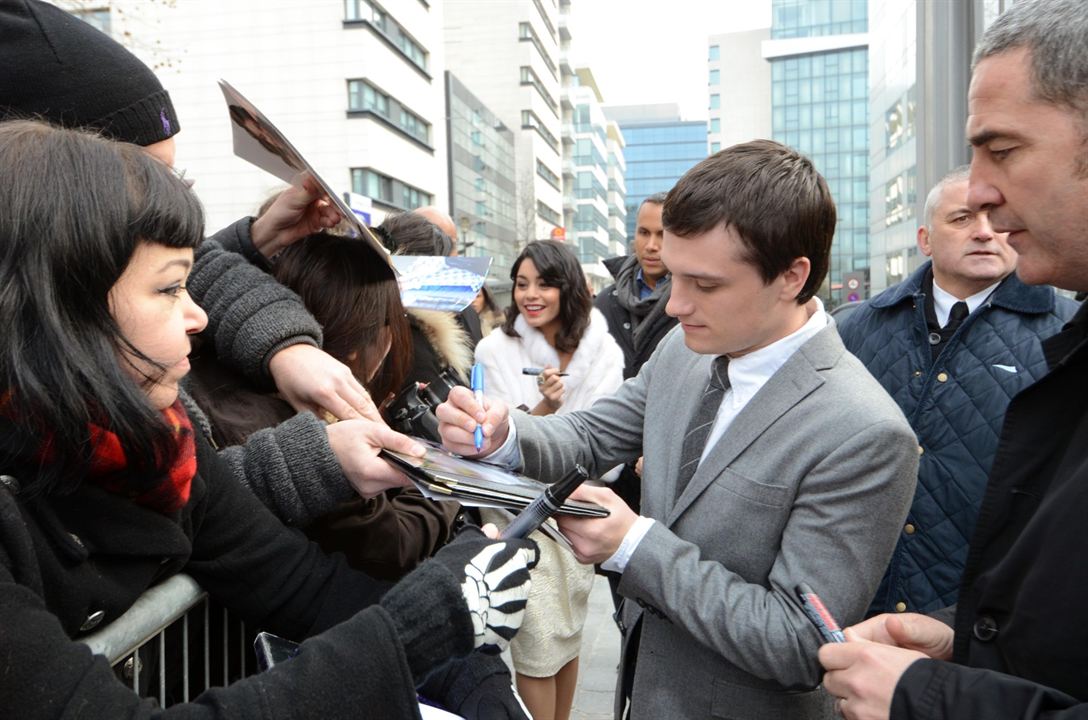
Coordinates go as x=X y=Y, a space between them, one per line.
x=494 y=582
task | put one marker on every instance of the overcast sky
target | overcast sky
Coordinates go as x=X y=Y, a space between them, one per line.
x=649 y=51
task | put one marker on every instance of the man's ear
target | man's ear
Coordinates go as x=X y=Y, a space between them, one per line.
x=923 y=242
x=795 y=277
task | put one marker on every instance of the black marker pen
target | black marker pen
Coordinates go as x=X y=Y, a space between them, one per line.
x=538 y=371
x=546 y=504
x=819 y=615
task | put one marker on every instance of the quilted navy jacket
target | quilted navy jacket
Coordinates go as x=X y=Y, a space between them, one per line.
x=956 y=405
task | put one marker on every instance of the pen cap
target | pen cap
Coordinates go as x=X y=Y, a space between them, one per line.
x=477 y=379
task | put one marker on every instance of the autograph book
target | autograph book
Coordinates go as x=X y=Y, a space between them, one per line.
x=440 y=475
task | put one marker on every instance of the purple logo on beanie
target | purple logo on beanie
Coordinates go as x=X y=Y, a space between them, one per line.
x=165 y=121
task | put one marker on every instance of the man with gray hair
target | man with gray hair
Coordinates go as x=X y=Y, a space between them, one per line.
x=1020 y=644
x=952 y=344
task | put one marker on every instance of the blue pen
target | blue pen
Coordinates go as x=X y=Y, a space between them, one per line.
x=477 y=384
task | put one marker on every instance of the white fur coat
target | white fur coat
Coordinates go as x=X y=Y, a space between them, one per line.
x=595 y=369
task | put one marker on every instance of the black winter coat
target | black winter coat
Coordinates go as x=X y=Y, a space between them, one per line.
x=64 y=558
x=1021 y=648
x=635 y=354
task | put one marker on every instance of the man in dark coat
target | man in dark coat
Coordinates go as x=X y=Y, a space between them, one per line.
x=635 y=304
x=952 y=344
x=1020 y=644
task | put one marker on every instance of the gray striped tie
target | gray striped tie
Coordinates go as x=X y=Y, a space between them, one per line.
x=702 y=422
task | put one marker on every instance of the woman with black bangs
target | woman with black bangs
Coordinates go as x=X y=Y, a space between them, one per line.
x=551 y=325
x=106 y=488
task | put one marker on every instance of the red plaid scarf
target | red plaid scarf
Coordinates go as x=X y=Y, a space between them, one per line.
x=108 y=465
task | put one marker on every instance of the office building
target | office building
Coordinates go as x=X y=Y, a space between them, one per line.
x=507 y=53
x=820 y=106
x=738 y=89
x=482 y=180
x=660 y=148
x=356 y=85
x=918 y=109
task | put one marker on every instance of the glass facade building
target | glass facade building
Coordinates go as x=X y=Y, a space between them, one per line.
x=658 y=152
x=820 y=107
x=481 y=177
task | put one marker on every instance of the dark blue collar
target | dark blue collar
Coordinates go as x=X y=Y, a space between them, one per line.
x=1011 y=294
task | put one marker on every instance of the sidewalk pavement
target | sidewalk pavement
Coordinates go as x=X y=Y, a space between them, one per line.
x=599 y=658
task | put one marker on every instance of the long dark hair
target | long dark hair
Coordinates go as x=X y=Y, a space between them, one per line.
x=353 y=293
x=558 y=267
x=75 y=208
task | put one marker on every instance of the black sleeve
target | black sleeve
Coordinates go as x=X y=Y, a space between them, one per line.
x=937 y=690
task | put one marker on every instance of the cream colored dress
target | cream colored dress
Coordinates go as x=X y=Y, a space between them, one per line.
x=551 y=633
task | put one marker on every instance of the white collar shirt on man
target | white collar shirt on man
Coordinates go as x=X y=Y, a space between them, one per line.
x=944 y=300
x=749 y=373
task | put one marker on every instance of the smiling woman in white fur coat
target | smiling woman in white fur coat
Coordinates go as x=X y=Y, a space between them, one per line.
x=552 y=325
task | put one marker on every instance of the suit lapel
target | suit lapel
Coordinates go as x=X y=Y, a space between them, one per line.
x=793 y=382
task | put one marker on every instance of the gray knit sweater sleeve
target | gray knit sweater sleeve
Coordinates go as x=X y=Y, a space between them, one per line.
x=250 y=316
x=292 y=469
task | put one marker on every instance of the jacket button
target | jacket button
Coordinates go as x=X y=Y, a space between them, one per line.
x=917 y=373
x=10 y=483
x=76 y=540
x=934 y=338
x=627 y=326
x=909 y=529
x=985 y=628
x=921 y=450
x=92 y=621
x=900 y=606
x=942 y=377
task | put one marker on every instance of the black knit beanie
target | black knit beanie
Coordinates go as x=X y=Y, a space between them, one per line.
x=57 y=68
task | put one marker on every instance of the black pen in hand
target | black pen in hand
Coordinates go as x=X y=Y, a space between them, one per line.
x=546 y=504
x=818 y=613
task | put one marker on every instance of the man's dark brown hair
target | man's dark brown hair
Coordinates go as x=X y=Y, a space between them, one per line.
x=771 y=195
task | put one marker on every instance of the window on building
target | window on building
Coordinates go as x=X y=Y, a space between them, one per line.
x=715 y=147
x=715 y=53
x=715 y=101
x=715 y=77
x=368 y=11
x=388 y=190
x=365 y=98
x=528 y=77
x=527 y=34
x=548 y=214
x=529 y=121
x=549 y=177
x=715 y=125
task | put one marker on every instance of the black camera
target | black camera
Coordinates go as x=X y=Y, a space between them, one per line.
x=412 y=410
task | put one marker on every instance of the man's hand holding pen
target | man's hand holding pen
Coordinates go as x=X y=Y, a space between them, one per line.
x=597 y=539
x=459 y=417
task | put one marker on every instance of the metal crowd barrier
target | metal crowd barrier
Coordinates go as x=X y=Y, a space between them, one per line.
x=174 y=643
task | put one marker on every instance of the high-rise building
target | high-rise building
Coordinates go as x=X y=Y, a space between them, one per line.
x=738 y=87
x=660 y=148
x=918 y=110
x=507 y=53
x=587 y=204
x=820 y=106
x=617 y=191
x=356 y=85
x=482 y=180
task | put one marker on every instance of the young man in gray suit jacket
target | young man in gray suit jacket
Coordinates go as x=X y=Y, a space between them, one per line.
x=772 y=457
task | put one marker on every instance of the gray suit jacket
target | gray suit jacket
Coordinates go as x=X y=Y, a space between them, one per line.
x=811 y=483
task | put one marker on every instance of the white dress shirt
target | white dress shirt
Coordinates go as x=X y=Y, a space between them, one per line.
x=943 y=301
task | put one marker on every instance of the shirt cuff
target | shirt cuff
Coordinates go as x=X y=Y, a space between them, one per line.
x=618 y=561
x=508 y=454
